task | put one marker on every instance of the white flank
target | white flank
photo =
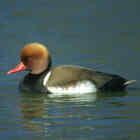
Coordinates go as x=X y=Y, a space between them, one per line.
x=81 y=87
x=46 y=78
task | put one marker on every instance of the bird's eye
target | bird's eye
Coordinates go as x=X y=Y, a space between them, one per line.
x=24 y=60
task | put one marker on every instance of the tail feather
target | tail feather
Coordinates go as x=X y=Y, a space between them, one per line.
x=129 y=82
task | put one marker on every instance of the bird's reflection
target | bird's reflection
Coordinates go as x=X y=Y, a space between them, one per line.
x=32 y=112
x=32 y=106
x=40 y=111
x=36 y=109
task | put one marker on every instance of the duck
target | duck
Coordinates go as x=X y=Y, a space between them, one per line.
x=64 y=79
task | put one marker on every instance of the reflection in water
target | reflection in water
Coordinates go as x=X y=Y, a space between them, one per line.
x=112 y=94
x=70 y=116
x=40 y=112
x=32 y=108
x=83 y=116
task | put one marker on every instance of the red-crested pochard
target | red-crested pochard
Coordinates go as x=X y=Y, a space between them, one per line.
x=64 y=79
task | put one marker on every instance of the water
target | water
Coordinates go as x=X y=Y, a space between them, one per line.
x=99 y=34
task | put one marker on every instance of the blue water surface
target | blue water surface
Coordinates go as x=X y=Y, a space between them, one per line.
x=100 y=34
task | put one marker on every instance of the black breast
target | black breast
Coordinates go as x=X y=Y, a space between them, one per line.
x=33 y=83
